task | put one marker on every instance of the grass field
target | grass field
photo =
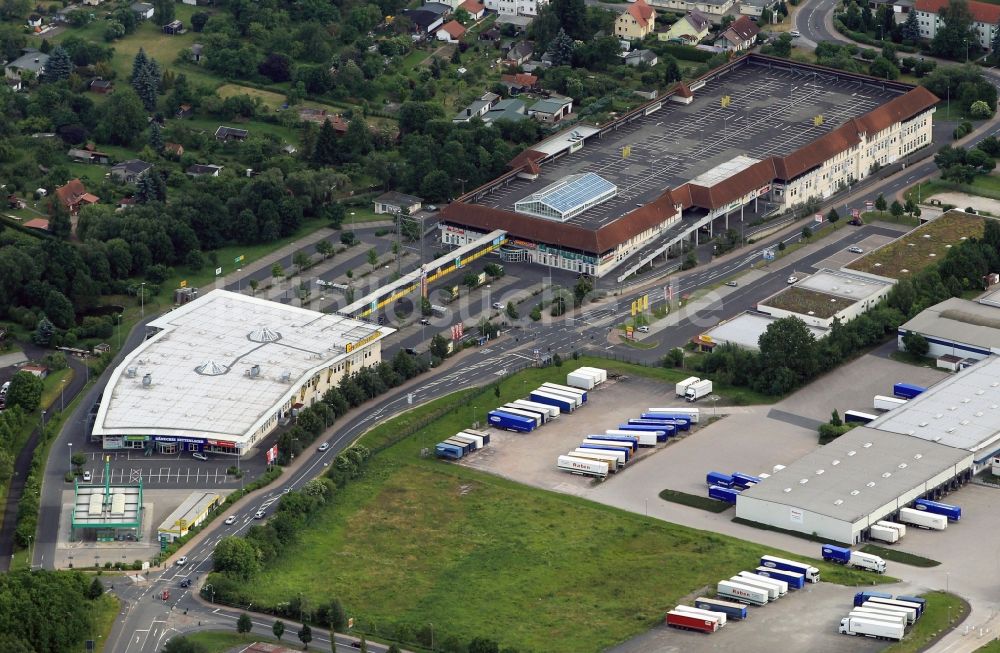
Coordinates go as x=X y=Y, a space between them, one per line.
x=803 y=300
x=920 y=247
x=900 y=556
x=105 y=612
x=218 y=641
x=941 y=607
x=694 y=501
x=419 y=540
x=992 y=647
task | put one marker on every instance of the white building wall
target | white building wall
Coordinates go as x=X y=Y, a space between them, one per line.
x=793 y=519
x=930 y=23
x=515 y=7
x=940 y=347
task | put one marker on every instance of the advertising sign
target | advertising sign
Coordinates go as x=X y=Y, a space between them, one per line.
x=272 y=454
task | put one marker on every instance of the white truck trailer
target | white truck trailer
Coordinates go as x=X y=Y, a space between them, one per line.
x=728 y=589
x=922 y=519
x=779 y=584
x=884 y=534
x=583 y=466
x=772 y=590
x=696 y=391
x=882 y=615
x=720 y=617
x=899 y=528
x=681 y=388
x=871 y=628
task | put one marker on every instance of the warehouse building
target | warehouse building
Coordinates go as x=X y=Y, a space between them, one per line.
x=925 y=448
x=751 y=138
x=222 y=371
x=958 y=327
x=828 y=295
x=743 y=330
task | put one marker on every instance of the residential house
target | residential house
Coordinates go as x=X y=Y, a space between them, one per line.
x=92 y=3
x=227 y=134
x=73 y=195
x=89 y=155
x=440 y=8
x=474 y=8
x=394 y=203
x=754 y=8
x=173 y=149
x=101 y=86
x=452 y=5
x=714 y=8
x=424 y=22
x=143 y=10
x=32 y=61
x=519 y=53
x=985 y=19
x=34 y=20
x=203 y=170
x=682 y=95
x=739 y=36
x=197 y=52
x=646 y=93
x=173 y=28
x=639 y=57
x=520 y=83
x=552 y=110
x=450 y=32
x=478 y=108
x=636 y=22
x=692 y=28
x=130 y=171
x=37 y=223
x=510 y=109
x=516 y=7
x=184 y=111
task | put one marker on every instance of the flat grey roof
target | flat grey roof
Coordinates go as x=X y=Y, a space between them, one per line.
x=962 y=411
x=844 y=284
x=858 y=473
x=990 y=297
x=960 y=320
x=746 y=329
x=93 y=508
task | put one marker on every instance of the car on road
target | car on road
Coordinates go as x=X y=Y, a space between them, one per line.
x=795 y=33
x=87 y=477
x=792 y=279
x=643 y=329
x=259 y=514
x=230 y=520
x=199 y=456
x=286 y=490
x=855 y=250
x=424 y=320
x=732 y=284
x=181 y=561
x=856 y=222
x=324 y=446
x=186 y=582
x=498 y=306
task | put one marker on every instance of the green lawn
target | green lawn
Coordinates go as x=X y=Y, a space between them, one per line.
x=941 y=607
x=105 y=612
x=899 y=556
x=218 y=641
x=420 y=540
x=53 y=385
x=286 y=134
x=992 y=647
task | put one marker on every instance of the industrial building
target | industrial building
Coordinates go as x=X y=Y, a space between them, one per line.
x=924 y=448
x=191 y=513
x=958 y=327
x=222 y=371
x=828 y=295
x=746 y=141
x=743 y=330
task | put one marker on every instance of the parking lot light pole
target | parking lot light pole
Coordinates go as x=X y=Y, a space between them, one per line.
x=142 y=299
x=70 y=456
x=62 y=395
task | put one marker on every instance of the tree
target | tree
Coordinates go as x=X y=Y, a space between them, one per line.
x=787 y=343
x=278 y=628
x=671 y=69
x=336 y=615
x=362 y=642
x=277 y=272
x=78 y=460
x=122 y=119
x=244 y=625
x=562 y=49
x=835 y=418
x=156 y=137
x=59 y=66
x=300 y=260
x=392 y=649
x=911 y=28
x=880 y=204
x=96 y=589
x=25 y=391
x=807 y=233
x=482 y=645
x=979 y=109
x=766 y=16
x=896 y=209
x=915 y=344
x=583 y=287
x=833 y=216
x=357 y=141
x=439 y=346
x=373 y=258
x=512 y=311
x=952 y=39
x=326 y=150
x=43 y=332
x=198 y=21
x=163 y=11
x=139 y=64
x=237 y=557
x=883 y=69
x=305 y=635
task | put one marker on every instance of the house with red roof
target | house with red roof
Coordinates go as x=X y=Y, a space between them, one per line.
x=451 y=32
x=73 y=195
x=636 y=22
x=740 y=36
x=474 y=8
x=985 y=19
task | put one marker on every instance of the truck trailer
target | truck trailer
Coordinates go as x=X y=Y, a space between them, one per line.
x=696 y=391
x=858 y=417
x=681 y=388
x=953 y=513
x=600 y=373
x=883 y=534
x=923 y=519
x=551 y=411
x=708 y=614
x=682 y=422
x=779 y=585
x=861 y=597
x=476 y=444
x=731 y=610
x=897 y=602
x=607 y=458
x=447 y=451
x=619 y=456
x=465 y=445
x=922 y=603
x=508 y=422
x=795 y=580
x=772 y=591
x=567 y=389
x=480 y=438
x=483 y=434
x=692 y=412
x=535 y=417
x=607 y=445
x=583 y=466
x=879 y=615
x=656 y=431
x=845 y=556
x=669 y=429
x=564 y=404
x=718 y=478
x=907 y=390
x=910 y=613
x=870 y=628
x=577 y=399
x=883 y=403
x=743 y=481
x=726 y=494
x=644 y=438
x=581 y=380
x=729 y=589
x=630 y=440
x=811 y=573
x=513 y=407
x=899 y=528
x=691 y=622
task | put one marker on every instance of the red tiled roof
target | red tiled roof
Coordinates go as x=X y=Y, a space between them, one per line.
x=981 y=11
x=454 y=29
x=522 y=79
x=471 y=6
x=641 y=11
x=743 y=28
x=37 y=223
x=74 y=193
x=533 y=168
x=683 y=90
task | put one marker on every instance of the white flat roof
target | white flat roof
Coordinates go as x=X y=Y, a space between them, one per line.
x=962 y=411
x=843 y=284
x=724 y=171
x=746 y=329
x=990 y=297
x=200 y=360
x=562 y=141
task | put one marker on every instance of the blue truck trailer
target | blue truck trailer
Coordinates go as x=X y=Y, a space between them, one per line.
x=685 y=420
x=728 y=608
x=723 y=493
x=773 y=562
x=743 y=481
x=914 y=599
x=907 y=390
x=658 y=431
x=795 y=580
x=718 y=478
x=565 y=389
x=858 y=417
x=606 y=445
x=861 y=597
x=447 y=451
x=510 y=422
x=953 y=513
x=565 y=405
x=834 y=553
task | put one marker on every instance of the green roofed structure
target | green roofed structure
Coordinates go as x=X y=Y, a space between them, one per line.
x=112 y=512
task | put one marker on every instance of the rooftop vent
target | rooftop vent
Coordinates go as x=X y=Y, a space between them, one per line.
x=263 y=334
x=835 y=462
x=866 y=445
x=131 y=371
x=787 y=489
x=902 y=465
x=147 y=380
x=819 y=471
x=254 y=372
x=922 y=424
x=918 y=456
x=803 y=481
x=838 y=502
x=855 y=493
x=851 y=453
x=870 y=484
x=211 y=368
x=886 y=474
x=285 y=377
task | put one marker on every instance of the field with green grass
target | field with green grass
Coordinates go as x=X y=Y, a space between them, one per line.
x=105 y=612
x=941 y=607
x=218 y=641
x=900 y=556
x=420 y=540
x=992 y=647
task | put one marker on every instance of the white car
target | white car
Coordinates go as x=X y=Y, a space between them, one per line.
x=86 y=477
x=795 y=33
x=181 y=561
x=732 y=284
x=230 y=520
x=498 y=306
x=197 y=455
x=323 y=447
x=259 y=515
x=792 y=279
x=643 y=329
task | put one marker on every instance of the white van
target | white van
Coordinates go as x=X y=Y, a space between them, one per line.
x=4 y=388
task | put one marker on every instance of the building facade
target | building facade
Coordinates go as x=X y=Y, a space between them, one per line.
x=635 y=22
x=516 y=7
x=985 y=19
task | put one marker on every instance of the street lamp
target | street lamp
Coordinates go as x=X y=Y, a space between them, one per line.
x=119 y=316
x=62 y=395
x=70 y=455
x=142 y=299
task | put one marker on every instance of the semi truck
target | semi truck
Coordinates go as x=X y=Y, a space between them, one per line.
x=508 y=422
x=583 y=466
x=720 y=479
x=953 y=513
x=691 y=622
x=581 y=380
x=743 y=481
x=811 y=573
x=923 y=519
x=845 y=556
x=858 y=417
x=861 y=597
x=731 y=610
x=779 y=585
x=450 y=452
x=906 y=390
x=795 y=580
x=900 y=528
x=914 y=599
x=645 y=438
x=608 y=458
x=466 y=446
x=670 y=429
x=629 y=440
x=870 y=628
x=898 y=602
x=696 y=391
x=682 y=422
x=883 y=534
x=772 y=591
x=883 y=403
x=723 y=494
x=708 y=614
x=565 y=405
x=553 y=411
x=880 y=615
x=619 y=456
x=567 y=389
x=728 y=589
x=681 y=388
x=690 y=411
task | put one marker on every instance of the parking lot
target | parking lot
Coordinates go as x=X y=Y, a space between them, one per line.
x=844 y=257
x=805 y=620
x=179 y=470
